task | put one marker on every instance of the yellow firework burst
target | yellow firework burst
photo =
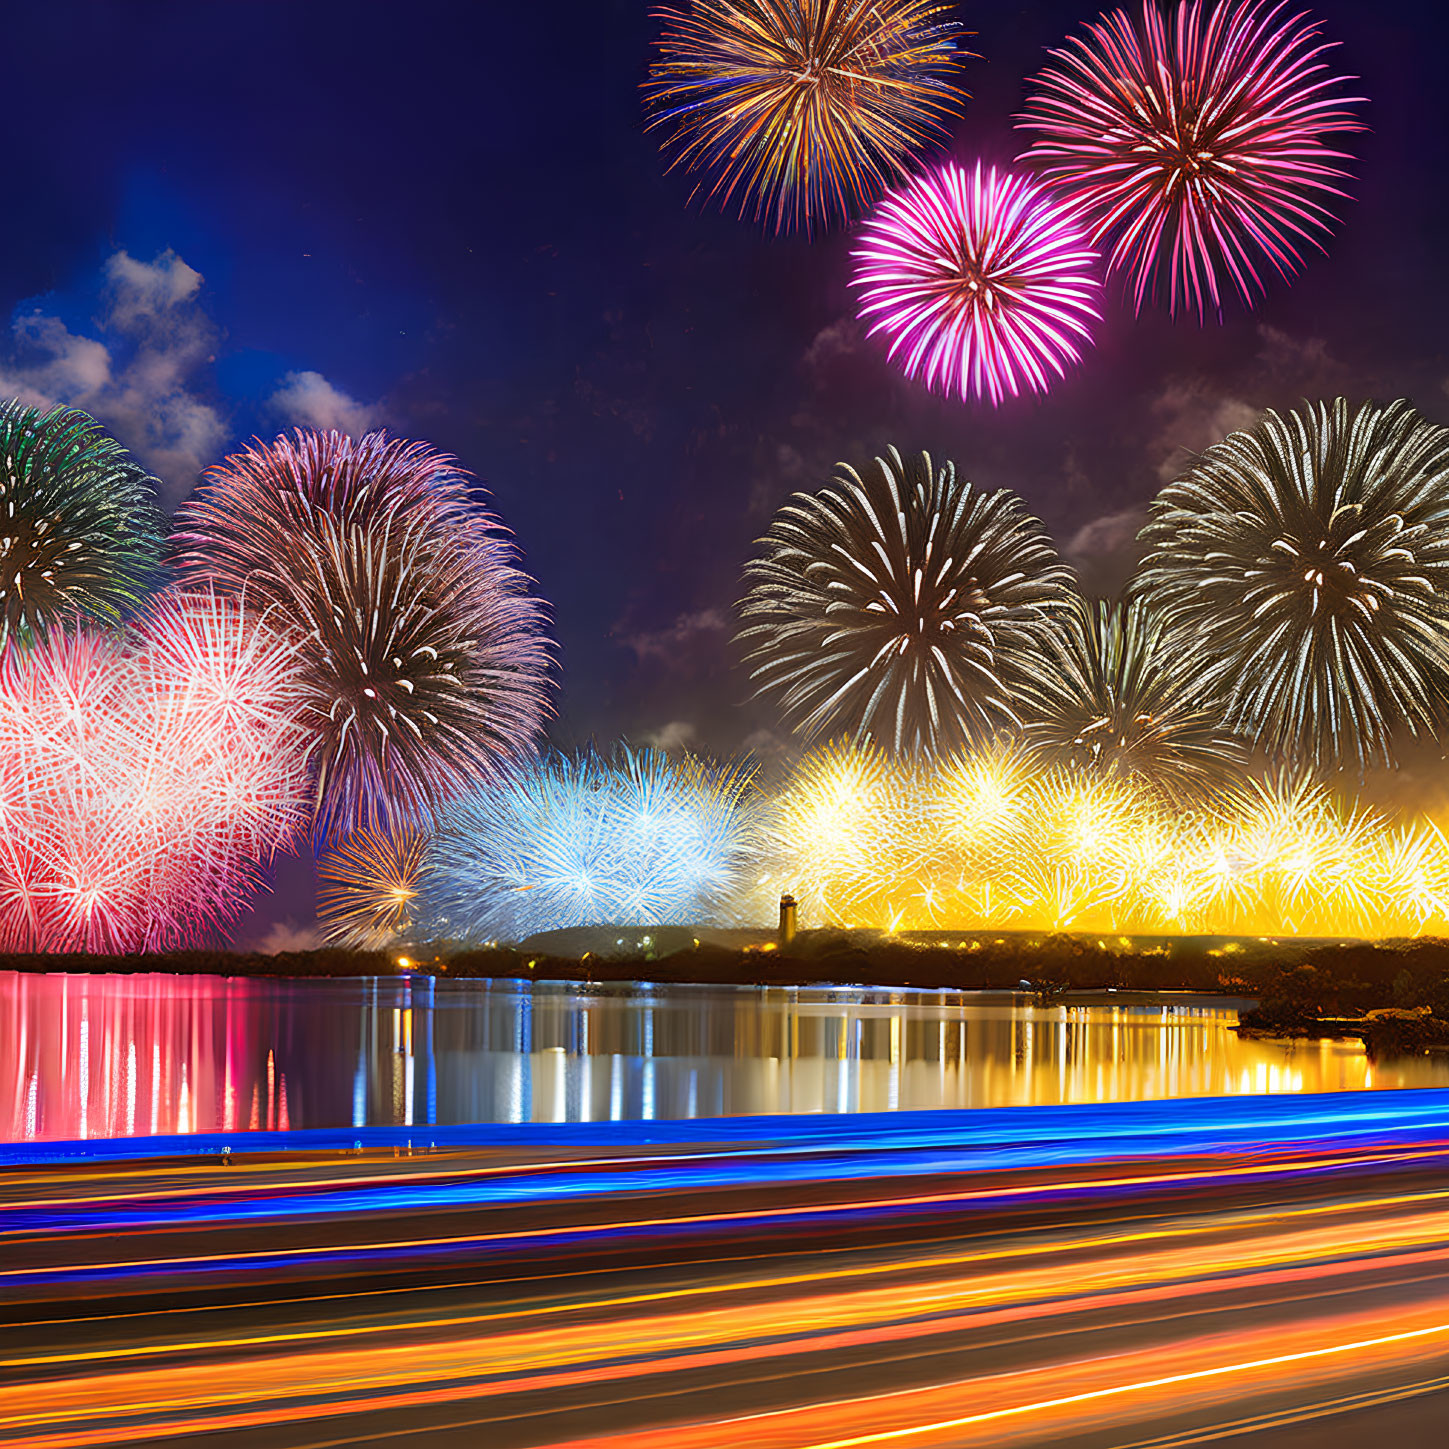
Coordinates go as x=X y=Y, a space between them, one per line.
x=369 y=884
x=803 y=111
x=980 y=841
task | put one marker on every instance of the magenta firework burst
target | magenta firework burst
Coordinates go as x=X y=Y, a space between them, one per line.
x=421 y=648
x=982 y=282
x=1195 y=145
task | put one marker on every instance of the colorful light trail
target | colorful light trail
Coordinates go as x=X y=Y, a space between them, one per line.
x=1061 y=1271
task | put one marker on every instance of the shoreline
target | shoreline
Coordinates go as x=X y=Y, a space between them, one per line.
x=1393 y=995
x=1347 y=974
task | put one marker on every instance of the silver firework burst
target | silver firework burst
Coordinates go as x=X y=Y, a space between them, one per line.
x=1109 y=699
x=1301 y=569
x=898 y=604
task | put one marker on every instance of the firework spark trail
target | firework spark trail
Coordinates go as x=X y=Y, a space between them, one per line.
x=897 y=603
x=368 y=887
x=1192 y=143
x=422 y=656
x=977 y=840
x=145 y=778
x=984 y=284
x=1107 y=696
x=804 y=111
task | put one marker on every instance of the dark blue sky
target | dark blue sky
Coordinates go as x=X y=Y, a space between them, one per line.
x=447 y=218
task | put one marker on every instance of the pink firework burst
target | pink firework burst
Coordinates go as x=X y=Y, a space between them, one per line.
x=226 y=701
x=142 y=781
x=983 y=283
x=1194 y=147
x=420 y=647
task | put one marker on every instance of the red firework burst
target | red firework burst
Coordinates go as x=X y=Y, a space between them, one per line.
x=1194 y=147
x=141 y=781
x=984 y=284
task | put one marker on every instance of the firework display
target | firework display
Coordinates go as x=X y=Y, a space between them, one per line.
x=1192 y=140
x=978 y=840
x=423 y=657
x=896 y=605
x=82 y=533
x=637 y=839
x=1301 y=570
x=992 y=841
x=368 y=887
x=1107 y=697
x=984 y=285
x=1008 y=755
x=142 y=780
x=803 y=111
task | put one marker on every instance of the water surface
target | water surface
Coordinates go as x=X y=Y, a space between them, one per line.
x=109 y=1056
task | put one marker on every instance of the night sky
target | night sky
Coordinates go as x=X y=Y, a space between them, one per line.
x=447 y=219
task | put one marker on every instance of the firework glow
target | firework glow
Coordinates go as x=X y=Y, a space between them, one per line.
x=896 y=604
x=984 y=285
x=803 y=111
x=423 y=657
x=142 y=780
x=82 y=533
x=1192 y=141
x=638 y=839
x=991 y=840
x=1301 y=570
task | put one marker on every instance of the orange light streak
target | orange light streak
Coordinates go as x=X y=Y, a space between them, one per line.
x=555 y=1356
x=799 y=1428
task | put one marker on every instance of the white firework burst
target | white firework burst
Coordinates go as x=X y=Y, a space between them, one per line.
x=898 y=606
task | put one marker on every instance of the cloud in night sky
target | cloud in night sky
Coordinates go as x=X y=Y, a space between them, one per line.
x=147 y=373
x=1192 y=411
x=1191 y=414
x=287 y=935
x=1104 y=551
x=679 y=645
x=141 y=377
x=307 y=399
x=678 y=734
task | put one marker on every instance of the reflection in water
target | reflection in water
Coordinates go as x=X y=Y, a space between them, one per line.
x=103 y=1056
